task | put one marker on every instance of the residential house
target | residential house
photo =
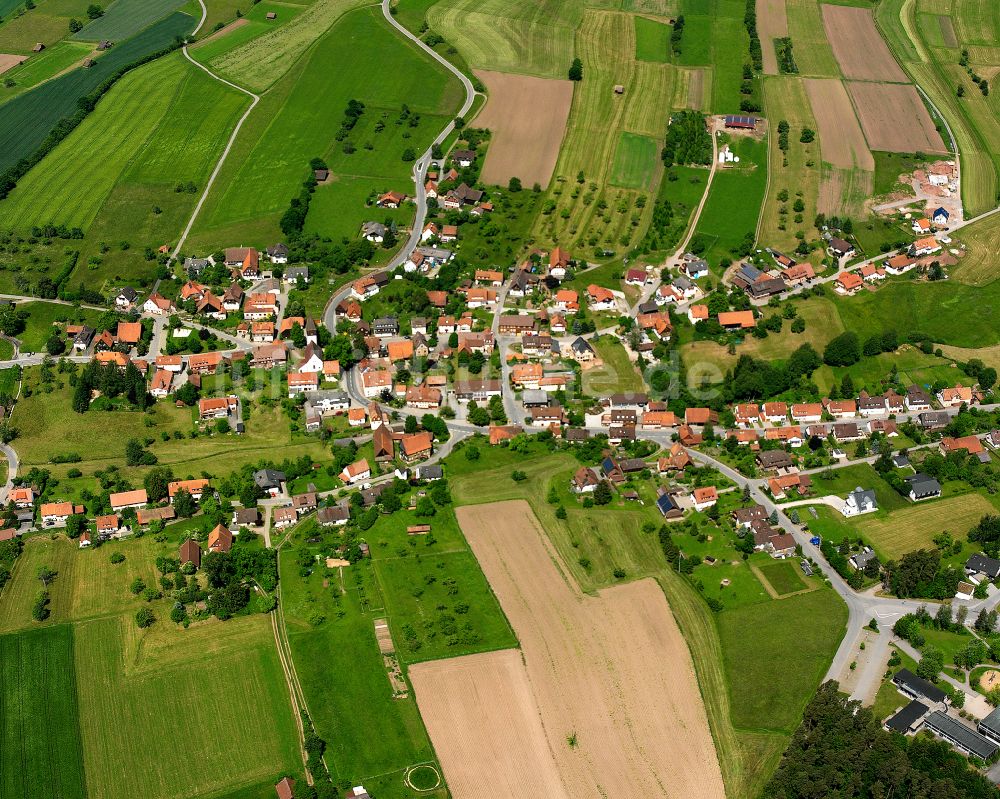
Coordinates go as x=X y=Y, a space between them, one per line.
x=277 y=254
x=732 y=320
x=923 y=487
x=190 y=552
x=301 y=382
x=848 y=283
x=839 y=248
x=336 y=516
x=196 y=488
x=217 y=407
x=952 y=397
x=220 y=539
x=705 y=497
x=356 y=472
x=925 y=246
x=125 y=298
x=270 y=481
x=600 y=298
x=126 y=500
x=859 y=501
x=701 y=416
x=416 y=446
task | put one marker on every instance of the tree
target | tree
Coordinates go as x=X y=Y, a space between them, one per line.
x=156 y=482
x=144 y=618
x=602 y=493
x=55 y=345
x=844 y=350
x=75 y=525
x=94 y=11
x=45 y=575
x=808 y=135
x=576 y=70
x=514 y=185
x=81 y=397
x=184 y=504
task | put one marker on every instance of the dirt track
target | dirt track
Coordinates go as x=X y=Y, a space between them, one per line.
x=858 y=47
x=894 y=118
x=611 y=670
x=527 y=116
x=841 y=141
x=772 y=23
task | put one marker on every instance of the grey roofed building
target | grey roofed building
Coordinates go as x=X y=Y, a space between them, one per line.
x=295 y=272
x=432 y=472
x=576 y=433
x=277 y=251
x=195 y=266
x=907 y=718
x=628 y=400
x=649 y=306
x=338 y=514
x=535 y=398
x=774 y=459
x=83 y=339
x=983 y=564
x=682 y=283
x=861 y=559
x=933 y=420
x=990 y=726
x=860 y=501
x=923 y=486
x=127 y=293
x=247 y=517
x=900 y=461
x=917 y=687
x=373 y=229
x=268 y=478
x=581 y=345
x=439 y=254
x=959 y=735
x=668 y=507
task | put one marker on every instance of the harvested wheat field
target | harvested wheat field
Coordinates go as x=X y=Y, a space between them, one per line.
x=497 y=750
x=8 y=61
x=610 y=678
x=858 y=47
x=772 y=23
x=698 y=88
x=841 y=141
x=894 y=118
x=527 y=117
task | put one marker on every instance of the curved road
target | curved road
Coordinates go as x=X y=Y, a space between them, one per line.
x=229 y=144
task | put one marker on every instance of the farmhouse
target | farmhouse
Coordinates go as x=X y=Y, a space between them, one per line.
x=123 y=500
x=55 y=514
x=194 y=487
x=356 y=472
x=220 y=539
x=146 y=515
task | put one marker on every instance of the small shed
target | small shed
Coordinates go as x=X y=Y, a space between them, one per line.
x=38 y=47
x=88 y=63
x=619 y=89
x=271 y=15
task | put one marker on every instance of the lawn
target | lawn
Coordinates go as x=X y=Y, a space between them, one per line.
x=533 y=37
x=40 y=753
x=300 y=116
x=617 y=375
x=123 y=19
x=652 y=40
x=914 y=527
x=842 y=481
x=636 y=162
x=159 y=126
x=785 y=576
x=729 y=219
x=590 y=212
x=41 y=317
x=801 y=633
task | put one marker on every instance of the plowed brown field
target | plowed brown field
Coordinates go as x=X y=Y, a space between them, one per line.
x=527 y=116
x=894 y=118
x=609 y=677
x=858 y=47
x=841 y=141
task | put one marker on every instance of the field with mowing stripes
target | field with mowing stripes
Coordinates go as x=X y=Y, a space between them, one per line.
x=43 y=66
x=162 y=125
x=40 y=753
x=652 y=40
x=636 y=162
x=125 y=18
x=529 y=37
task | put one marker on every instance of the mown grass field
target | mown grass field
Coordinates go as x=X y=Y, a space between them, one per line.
x=40 y=755
x=813 y=54
x=27 y=119
x=845 y=480
x=122 y=20
x=714 y=37
x=750 y=729
x=299 y=118
x=532 y=38
x=159 y=126
x=734 y=202
x=934 y=66
x=46 y=22
x=617 y=375
x=43 y=66
x=261 y=62
x=652 y=40
x=636 y=162
x=914 y=527
x=252 y=24
x=591 y=213
x=785 y=576
x=979 y=267
x=41 y=317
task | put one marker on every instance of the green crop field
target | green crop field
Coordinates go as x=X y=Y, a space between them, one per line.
x=785 y=576
x=915 y=526
x=807 y=628
x=40 y=753
x=151 y=701
x=813 y=54
x=252 y=24
x=636 y=161
x=47 y=22
x=734 y=201
x=259 y=63
x=26 y=120
x=524 y=36
x=43 y=66
x=652 y=40
x=591 y=213
x=300 y=116
x=159 y=126
x=795 y=172
x=125 y=18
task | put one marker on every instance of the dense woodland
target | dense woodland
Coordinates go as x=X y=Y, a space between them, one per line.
x=840 y=750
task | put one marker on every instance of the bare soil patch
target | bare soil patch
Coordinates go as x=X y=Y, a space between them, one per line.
x=236 y=23
x=772 y=23
x=857 y=45
x=527 y=117
x=894 y=118
x=841 y=140
x=610 y=678
x=8 y=61
x=989 y=680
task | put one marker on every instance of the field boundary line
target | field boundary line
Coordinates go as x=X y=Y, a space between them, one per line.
x=229 y=144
